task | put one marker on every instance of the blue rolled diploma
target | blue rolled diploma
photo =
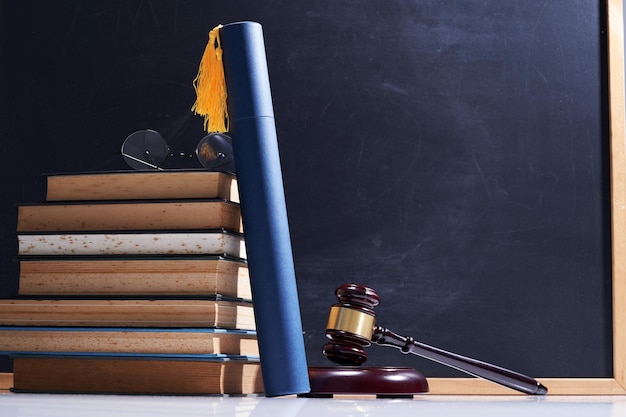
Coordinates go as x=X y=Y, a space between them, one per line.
x=263 y=210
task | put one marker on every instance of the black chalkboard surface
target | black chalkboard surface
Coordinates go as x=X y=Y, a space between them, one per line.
x=451 y=155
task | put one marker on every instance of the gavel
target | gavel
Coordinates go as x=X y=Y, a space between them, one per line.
x=352 y=327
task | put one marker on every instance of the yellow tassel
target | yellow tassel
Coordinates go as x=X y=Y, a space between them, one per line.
x=210 y=86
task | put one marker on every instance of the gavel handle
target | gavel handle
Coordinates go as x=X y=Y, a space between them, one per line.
x=502 y=376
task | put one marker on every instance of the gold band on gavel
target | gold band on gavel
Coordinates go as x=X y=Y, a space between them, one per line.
x=351 y=321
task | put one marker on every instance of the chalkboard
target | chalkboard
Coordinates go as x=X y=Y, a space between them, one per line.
x=452 y=155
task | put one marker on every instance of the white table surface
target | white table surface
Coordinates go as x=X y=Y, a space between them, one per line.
x=37 y=405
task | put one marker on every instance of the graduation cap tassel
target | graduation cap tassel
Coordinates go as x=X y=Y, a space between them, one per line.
x=210 y=86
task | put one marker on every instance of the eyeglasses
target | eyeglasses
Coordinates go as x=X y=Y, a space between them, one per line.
x=146 y=150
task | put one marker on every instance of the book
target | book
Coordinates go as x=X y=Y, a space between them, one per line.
x=27 y=339
x=127 y=313
x=205 y=242
x=144 y=215
x=119 y=276
x=135 y=276
x=135 y=185
x=104 y=374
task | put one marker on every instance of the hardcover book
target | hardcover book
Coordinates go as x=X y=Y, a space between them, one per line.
x=127 y=313
x=144 y=340
x=128 y=374
x=149 y=276
x=198 y=242
x=144 y=215
x=135 y=185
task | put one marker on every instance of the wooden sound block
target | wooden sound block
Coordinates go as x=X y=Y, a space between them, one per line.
x=380 y=381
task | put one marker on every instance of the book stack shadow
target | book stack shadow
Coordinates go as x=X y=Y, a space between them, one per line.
x=135 y=283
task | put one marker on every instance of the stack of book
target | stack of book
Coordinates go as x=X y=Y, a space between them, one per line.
x=133 y=282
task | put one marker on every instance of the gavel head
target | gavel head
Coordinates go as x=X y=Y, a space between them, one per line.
x=350 y=324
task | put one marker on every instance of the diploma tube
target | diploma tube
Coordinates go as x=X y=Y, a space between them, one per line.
x=263 y=210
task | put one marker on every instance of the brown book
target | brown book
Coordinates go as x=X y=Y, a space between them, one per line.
x=204 y=242
x=16 y=339
x=135 y=185
x=127 y=313
x=145 y=215
x=135 y=375
x=149 y=276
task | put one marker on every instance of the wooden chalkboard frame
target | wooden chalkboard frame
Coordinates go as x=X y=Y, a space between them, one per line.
x=616 y=385
x=591 y=386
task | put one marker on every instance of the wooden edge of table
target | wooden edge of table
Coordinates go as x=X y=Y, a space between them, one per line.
x=617 y=116
x=556 y=386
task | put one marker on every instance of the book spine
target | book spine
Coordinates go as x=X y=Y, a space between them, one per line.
x=264 y=214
